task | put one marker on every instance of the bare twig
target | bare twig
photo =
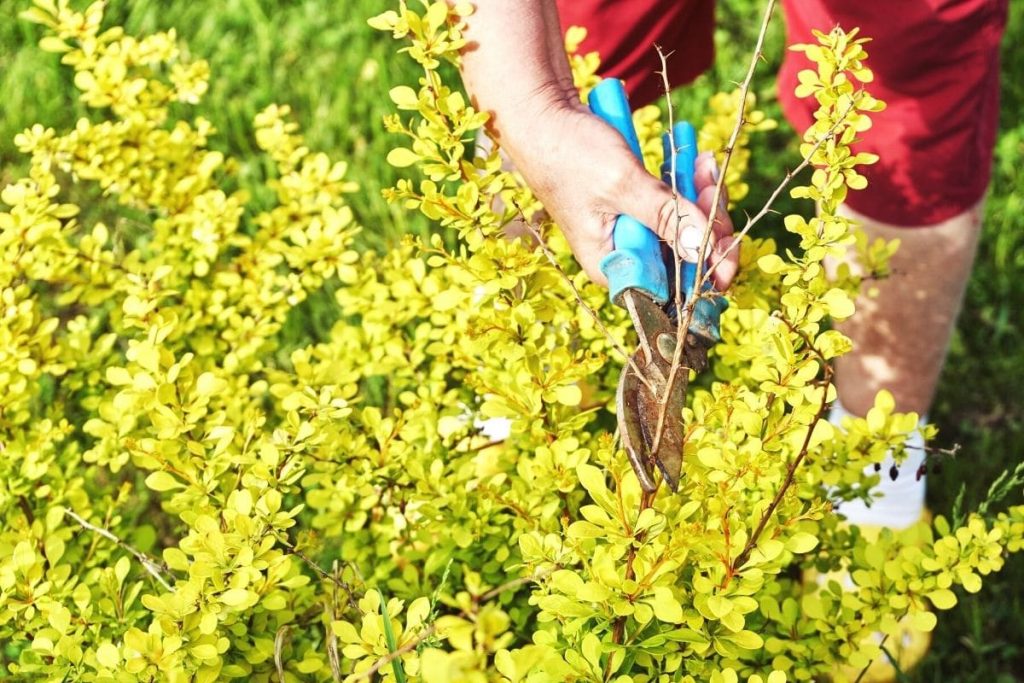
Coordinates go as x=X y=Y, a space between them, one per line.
x=155 y=569
x=686 y=316
x=391 y=656
x=279 y=641
x=429 y=631
x=514 y=583
x=333 y=578
x=333 y=657
x=683 y=322
x=667 y=86
x=864 y=671
x=482 y=447
x=892 y=660
x=935 y=450
x=740 y=121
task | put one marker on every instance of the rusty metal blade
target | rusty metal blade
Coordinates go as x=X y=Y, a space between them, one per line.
x=631 y=427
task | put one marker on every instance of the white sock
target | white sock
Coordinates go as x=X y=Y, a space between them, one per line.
x=902 y=500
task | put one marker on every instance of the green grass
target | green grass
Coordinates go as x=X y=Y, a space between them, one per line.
x=322 y=59
x=319 y=57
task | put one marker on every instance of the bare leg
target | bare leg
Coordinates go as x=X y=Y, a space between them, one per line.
x=900 y=337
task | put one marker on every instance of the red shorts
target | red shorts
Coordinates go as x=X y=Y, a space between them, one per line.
x=936 y=65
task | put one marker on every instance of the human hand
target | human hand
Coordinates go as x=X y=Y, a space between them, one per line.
x=585 y=174
x=515 y=68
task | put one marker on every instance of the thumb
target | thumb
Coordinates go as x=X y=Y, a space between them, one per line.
x=651 y=202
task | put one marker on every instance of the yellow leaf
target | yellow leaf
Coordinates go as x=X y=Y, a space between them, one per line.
x=207 y=384
x=401 y=157
x=448 y=299
x=748 y=640
x=436 y=15
x=237 y=597
x=666 y=607
x=207 y=651
x=771 y=263
x=163 y=481
x=923 y=621
x=107 y=655
x=569 y=395
x=435 y=666
x=838 y=303
x=146 y=355
x=942 y=598
x=404 y=96
x=449 y=425
x=118 y=376
x=719 y=606
x=801 y=542
x=384 y=22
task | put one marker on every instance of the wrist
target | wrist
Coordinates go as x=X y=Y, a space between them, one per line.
x=519 y=118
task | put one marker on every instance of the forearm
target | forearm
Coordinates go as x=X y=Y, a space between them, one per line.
x=515 y=66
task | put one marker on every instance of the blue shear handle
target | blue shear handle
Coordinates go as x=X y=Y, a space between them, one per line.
x=684 y=137
x=680 y=152
x=636 y=261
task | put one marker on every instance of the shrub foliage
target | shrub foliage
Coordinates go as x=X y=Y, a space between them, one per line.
x=190 y=491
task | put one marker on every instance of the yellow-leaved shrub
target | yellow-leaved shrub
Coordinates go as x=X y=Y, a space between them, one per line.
x=187 y=492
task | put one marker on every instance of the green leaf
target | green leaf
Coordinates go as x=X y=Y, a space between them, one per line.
x=397 y=667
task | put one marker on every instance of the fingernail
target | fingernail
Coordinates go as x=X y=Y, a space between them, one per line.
x=689 y=243
x=716 y=173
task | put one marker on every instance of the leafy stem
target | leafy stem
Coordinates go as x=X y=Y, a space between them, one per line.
x=824 y=384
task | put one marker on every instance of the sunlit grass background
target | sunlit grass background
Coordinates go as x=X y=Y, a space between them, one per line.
x=322 y=59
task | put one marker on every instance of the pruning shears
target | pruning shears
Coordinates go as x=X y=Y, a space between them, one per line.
x=650 y=395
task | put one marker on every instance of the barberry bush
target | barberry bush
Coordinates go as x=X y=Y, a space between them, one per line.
x=434 y=490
